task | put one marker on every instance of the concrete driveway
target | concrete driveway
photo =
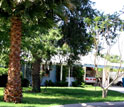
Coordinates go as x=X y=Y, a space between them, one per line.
x=118 y=89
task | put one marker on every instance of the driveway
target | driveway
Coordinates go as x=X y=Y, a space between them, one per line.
x=118 y=89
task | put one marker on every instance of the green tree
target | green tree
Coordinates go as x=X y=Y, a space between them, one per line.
x=62 y=50
x=4 y=57
x=36 y=12
x=74 y=31
x=4 y=42
x=104 y=29
x=112 y=58
x=42 y=48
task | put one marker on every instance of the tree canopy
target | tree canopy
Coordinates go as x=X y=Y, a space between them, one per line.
x=43 y=46
x=104 y=29
x=75 y=30
x=23 y=15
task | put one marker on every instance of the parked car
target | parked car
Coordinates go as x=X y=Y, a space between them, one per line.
x=90 y=80
x=119 y=83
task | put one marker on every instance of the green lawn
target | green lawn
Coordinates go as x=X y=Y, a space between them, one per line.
x=60 y=96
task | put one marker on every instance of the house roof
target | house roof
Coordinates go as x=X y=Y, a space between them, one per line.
x=59 y=59
x=88 y=61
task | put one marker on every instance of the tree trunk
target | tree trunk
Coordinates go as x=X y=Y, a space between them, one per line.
x=61 y=72
x=13 y=90
x=104 y=93
x=69 y=81
x=36 y=76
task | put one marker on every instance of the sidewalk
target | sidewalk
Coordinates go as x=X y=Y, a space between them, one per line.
x=98 y=104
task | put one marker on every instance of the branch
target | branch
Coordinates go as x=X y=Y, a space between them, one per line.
x=118 y=76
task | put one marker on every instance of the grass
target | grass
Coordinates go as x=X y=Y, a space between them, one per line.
x=60 y=96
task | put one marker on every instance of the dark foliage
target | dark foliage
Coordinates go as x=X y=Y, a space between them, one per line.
x=64 y=73
x=49 y=83
x=78 y=74
x=75 y=84
x=61 y=84
x=25 y=82
x=3 y=80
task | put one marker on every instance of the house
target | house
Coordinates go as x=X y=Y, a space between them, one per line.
x=90 y=61
x=51 y=76
x=85 y=61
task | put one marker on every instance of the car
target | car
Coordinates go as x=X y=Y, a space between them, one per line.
x=90 y=80
x=119 y=83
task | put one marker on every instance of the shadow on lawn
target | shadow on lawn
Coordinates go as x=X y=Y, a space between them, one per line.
x=61 y=96
x=1 y=98
x=74 y=92
x=48 y=101
x=66 y=96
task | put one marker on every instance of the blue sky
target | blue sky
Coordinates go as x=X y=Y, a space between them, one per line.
x=111 y=6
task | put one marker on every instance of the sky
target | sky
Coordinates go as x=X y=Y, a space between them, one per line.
x=109 y=7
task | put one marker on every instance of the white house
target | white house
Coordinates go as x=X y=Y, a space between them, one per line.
x=85 y=61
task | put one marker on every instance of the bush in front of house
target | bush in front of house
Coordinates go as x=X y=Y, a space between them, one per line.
x=3 y=76
x=82 y=84
x=78 y=73
x=25 y=82
x=61 y=84
x=75 y=84
x=58 y=84
x=49 y=83
x=3 y=80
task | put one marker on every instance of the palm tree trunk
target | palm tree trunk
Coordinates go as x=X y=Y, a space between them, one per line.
x=13 y=90
x=36 y=76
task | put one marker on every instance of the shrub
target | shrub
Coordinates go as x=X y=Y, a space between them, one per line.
x=49 y=83
x=75 y=84
x=78 y=73
x=25 y=82
x=82 y=84
x=3 y=77
x=46 y=83
x=3 y=80
x=62 y=83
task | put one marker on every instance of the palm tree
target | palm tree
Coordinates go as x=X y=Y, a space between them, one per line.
x=18 y=11
x=13 y=91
